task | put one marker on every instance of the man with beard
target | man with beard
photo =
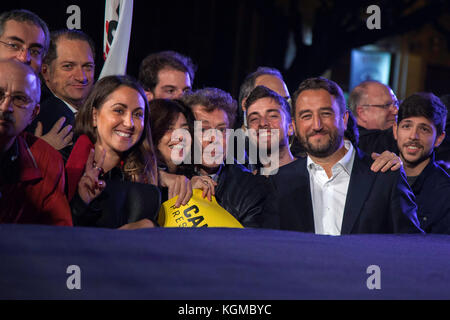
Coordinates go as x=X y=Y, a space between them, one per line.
x=419 y=131
x=263 y=76
x=333 y=191
x=269 y=122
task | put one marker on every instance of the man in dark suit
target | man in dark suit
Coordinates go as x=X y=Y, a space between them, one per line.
x=333 y=191
x=68 y=72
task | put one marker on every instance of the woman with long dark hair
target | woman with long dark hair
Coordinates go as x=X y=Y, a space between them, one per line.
x=172 y=126
x=114 y=144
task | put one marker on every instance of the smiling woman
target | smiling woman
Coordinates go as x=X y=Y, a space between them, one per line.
x=167 y=116
x=114 y=146
x=172 y=125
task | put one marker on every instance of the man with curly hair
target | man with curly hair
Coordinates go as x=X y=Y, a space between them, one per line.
x=236 y=189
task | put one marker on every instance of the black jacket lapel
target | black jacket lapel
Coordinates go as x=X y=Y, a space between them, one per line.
x=361 y=181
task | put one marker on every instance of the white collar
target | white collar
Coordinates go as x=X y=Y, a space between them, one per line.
x=346 y=161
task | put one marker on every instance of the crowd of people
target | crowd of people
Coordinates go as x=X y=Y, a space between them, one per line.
x=79 y=151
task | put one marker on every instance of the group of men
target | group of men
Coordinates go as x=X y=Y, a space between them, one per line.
x=324 y=181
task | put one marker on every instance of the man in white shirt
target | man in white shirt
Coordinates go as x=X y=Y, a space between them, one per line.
x=333 y=190
x=329 y=194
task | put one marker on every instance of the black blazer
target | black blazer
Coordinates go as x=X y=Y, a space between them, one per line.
x=378 y=141
x=51 y=110
x=375 y=203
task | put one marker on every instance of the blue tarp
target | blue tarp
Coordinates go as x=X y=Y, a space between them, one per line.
x=210 y=264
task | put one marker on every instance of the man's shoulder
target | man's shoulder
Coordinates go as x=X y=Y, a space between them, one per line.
x=375 y=140
x=363 y=163
x=436 y=177
x=291 y=167
x=290 y=175
x=51 y=102
x=239 y=177
x=236 y=168
x=51 y=110
x=41 y=150
x=440 y=172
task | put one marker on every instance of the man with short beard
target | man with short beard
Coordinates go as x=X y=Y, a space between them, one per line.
x=269 y=123
x=420 y=129
x=333 y=190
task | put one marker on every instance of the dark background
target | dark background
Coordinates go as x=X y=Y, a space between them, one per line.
x=229 y=39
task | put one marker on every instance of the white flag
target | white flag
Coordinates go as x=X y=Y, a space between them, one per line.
x=116 y=40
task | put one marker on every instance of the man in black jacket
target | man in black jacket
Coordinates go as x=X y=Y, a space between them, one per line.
x=420 y=129
x=237 y=190
x=68 y=72
x=333 y=191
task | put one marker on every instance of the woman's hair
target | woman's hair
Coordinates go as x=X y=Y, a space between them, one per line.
x=139 y=163
x=164 y=113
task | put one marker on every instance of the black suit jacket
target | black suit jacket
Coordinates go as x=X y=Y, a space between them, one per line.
x=375 y=203
x=376 y=140
x=53 y=108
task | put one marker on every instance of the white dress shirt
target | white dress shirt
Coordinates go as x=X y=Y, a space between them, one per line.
x=329 y=194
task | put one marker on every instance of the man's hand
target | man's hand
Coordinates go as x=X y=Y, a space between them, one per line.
x=57 y=138
x=385 y=161
x=178 y=186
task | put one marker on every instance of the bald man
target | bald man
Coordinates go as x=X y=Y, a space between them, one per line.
x=375 y=108
x=31 y=171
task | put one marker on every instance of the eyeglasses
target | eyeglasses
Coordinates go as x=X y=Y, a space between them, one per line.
x=19 y=100
x=15 y=46
x=383 y=106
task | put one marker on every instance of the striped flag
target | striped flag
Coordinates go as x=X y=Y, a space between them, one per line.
x=116 y=40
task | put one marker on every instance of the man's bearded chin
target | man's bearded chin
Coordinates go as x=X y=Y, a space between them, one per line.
x=325 y=150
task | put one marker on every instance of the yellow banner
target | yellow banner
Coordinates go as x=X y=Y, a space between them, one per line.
x=197 y=213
